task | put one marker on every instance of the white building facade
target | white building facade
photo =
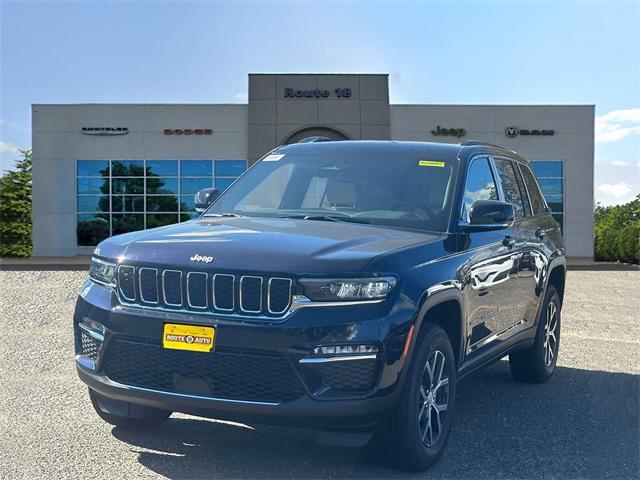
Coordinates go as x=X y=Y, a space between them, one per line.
x=105 y=169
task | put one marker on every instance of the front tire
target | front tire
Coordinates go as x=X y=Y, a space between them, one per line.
x=146 y=417
x=413 y=436
x=537 y=363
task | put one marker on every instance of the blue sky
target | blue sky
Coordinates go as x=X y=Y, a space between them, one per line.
x=453 y=52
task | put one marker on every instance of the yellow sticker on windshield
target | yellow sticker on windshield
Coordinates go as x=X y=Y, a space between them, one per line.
x=430 y=163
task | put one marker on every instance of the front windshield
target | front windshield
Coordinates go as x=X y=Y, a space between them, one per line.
x=391 y=189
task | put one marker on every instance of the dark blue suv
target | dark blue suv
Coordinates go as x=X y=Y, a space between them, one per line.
x=344 y=286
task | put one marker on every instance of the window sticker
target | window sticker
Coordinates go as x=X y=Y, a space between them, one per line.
x=430 y=163
x=274 y=157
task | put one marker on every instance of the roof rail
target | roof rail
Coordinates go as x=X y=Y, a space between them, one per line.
x=314 y=139
x=471 y=143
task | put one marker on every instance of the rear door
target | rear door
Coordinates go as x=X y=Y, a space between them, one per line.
x=541 y=232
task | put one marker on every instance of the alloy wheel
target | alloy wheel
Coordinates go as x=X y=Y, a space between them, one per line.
x=433 y=398
x=550 y=338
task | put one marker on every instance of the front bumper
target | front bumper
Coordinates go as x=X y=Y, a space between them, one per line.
x=188 y=381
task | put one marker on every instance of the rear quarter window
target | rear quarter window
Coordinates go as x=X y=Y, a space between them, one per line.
x=537 y=201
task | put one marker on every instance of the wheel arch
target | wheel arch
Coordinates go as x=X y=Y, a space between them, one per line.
x=557 y=278
x=445 y=309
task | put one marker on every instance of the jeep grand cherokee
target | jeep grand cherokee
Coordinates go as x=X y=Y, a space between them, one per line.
x=343 y=286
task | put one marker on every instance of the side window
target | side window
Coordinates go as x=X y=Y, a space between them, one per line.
x=480 y=185
x=510 y=187
x=537 y=201
x=523 y=190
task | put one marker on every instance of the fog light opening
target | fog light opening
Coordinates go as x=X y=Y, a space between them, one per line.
x=92 y=326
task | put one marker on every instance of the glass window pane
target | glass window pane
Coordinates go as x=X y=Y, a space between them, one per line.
x=93 y=185
x=187 y=203
x=534 y=191
x=510 y=186
x=162 y=186
x=547 y=168
x=161 y=219
x=127 y=168
x=184 y=217
x=92 y=228
x=162 y=168
x=196 y=168
x=92 y=203
x=523 y=190
x=230 y=168
x=480 y=185
x=192 y=185
x=92 y=168
x=126 y=203
x=551 y=186
x=163 y=203
x=223 y=183
x=555 y=203
x=120 y=186
x=127 y=222
x=560 y=219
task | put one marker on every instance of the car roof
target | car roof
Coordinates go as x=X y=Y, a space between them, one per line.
x=463 y=151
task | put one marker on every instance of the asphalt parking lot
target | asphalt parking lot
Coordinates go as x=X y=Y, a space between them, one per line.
x=584 y=423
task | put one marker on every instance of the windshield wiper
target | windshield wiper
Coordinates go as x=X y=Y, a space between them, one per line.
x=328 y=218
x=221 y=215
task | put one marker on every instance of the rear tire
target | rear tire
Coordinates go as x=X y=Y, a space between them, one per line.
x=146 y=417
x=414 y=434
x=537 y=363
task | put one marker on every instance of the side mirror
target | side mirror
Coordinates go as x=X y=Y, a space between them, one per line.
x=488 y=215
x=204 y=198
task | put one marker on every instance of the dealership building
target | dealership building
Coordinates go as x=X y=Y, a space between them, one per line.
x=105 y=169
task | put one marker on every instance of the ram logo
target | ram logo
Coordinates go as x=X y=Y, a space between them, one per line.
x=201 y=258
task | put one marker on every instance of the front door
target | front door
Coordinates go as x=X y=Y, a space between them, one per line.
x=490 y=274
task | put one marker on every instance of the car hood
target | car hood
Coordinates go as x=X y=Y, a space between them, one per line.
x=262 y=245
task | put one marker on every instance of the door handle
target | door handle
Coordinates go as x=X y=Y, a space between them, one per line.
x=509 y=241
x=540 y=232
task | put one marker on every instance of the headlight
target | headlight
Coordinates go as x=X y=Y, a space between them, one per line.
x=347 y=289
x=102 y=272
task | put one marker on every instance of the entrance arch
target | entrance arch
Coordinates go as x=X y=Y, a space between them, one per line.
x=306 y=132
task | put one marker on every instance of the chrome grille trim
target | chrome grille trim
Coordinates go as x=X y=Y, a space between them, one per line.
x=243 y=296
x=164 y=295
x=275 y=312
x=133 y=270
x=206 y=291
x=242 y=278
x=233 y=292
x=140 y=270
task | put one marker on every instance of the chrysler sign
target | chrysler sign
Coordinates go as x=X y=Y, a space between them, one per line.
x=104 y=131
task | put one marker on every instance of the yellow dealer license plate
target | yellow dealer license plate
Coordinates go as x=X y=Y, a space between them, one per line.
x=188 y=337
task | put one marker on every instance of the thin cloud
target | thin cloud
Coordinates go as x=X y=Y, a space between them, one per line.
x=618 y=124
x=617 y=190
x=9 y=148
x=621 y=163
x=241 y=97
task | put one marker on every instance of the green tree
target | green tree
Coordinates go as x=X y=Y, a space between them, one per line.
x=15 y=209
x=617 y=232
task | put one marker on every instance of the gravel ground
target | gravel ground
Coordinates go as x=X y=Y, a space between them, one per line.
x=584 y=423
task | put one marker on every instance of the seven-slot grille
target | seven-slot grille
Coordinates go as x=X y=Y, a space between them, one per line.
x=222 y=293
